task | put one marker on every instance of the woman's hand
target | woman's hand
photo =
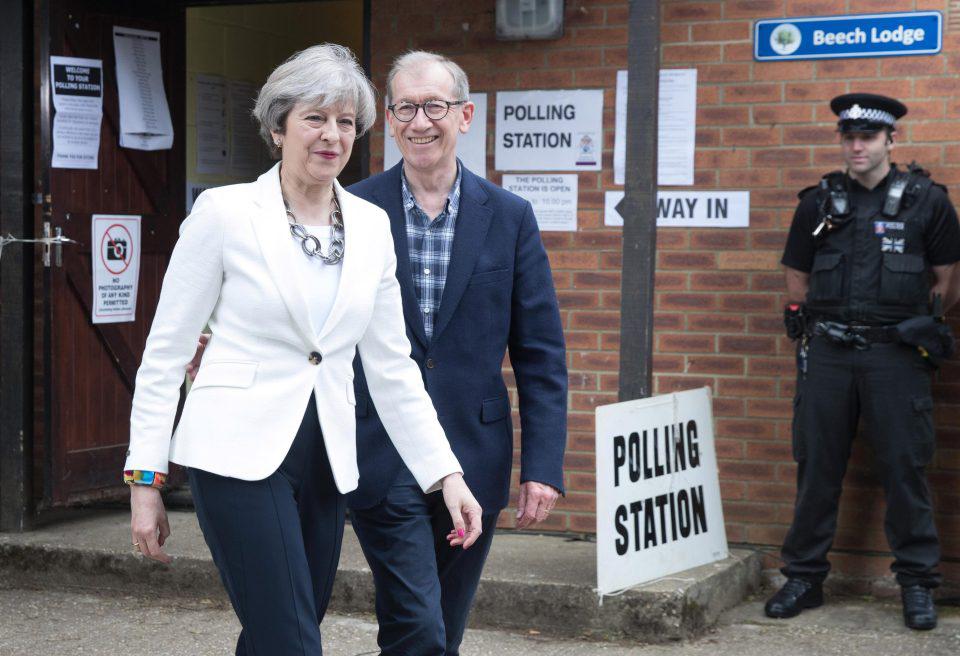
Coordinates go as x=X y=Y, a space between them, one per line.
x=464 y=511
x=149 y=528
x=194 y=365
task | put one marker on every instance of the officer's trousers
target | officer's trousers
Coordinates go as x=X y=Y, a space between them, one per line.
x=889 y=386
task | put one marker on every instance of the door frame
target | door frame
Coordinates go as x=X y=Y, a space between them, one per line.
x=24 y=30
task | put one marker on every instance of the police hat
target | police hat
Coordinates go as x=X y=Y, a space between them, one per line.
x=866 y=112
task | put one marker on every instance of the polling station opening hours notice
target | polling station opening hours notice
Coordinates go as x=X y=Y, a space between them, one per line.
x=658 y=495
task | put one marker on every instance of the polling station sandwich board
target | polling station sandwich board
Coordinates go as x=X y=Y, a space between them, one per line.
x=658 y=495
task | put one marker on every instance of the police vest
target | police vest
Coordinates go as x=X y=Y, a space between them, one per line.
x=870 y=267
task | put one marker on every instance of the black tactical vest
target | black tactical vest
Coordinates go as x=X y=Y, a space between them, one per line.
x=871 y=267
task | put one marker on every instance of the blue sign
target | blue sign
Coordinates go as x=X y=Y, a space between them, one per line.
x=834 y=37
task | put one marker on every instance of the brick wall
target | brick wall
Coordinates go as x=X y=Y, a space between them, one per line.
x=764 y=127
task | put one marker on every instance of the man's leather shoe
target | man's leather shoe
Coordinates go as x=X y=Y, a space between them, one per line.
x=918 y=609
x=795 y=595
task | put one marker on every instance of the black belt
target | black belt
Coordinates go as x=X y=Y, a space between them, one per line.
x=854 y=335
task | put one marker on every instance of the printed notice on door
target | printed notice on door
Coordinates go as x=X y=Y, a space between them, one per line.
x=77 y=86
x=144 y=114
x=115 y=254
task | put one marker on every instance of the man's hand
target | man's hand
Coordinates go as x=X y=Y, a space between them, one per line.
x=535 y=503
x=194 y=365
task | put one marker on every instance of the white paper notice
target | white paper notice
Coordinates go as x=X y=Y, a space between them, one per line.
x=248 y=156
x=211 y=95
x=554 y=198
x=471 y=147
x=677 y=127
x=144 y=114
x=549 y=130
x=690 y=209
x=194 y=189
x=115 y=255
x=78 y=102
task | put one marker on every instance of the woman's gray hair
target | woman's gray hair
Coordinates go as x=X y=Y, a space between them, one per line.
x=417 y=58
x=323 y=75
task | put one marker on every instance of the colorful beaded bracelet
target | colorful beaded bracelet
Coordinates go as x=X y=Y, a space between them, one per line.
x=137 y=477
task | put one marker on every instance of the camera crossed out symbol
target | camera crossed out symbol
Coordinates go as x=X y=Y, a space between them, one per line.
x=115 y=248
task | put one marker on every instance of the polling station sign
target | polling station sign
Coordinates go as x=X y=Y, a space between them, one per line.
x=859 y=35
x=558 y=130
x=658 y=496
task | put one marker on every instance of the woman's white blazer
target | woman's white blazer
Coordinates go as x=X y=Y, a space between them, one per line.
x=233 y=268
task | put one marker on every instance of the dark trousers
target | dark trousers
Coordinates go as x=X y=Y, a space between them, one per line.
x=424 y=587
x=888 y=385
x=276 y=543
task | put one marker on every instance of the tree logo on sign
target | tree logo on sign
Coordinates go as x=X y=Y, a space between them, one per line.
x=785 y=39
x=115 y=247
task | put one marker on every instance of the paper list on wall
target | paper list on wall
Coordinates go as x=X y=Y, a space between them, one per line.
x=677 y=127
x=553 y=197
x=77 y=86
x=211 y=120
x=144 y=114
x=247 y=153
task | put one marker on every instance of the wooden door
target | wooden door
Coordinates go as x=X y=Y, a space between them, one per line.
x=89 y=369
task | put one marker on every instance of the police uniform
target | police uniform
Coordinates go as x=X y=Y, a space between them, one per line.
x=868 y=253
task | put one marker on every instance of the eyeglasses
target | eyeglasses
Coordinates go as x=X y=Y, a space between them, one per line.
x=432 y=109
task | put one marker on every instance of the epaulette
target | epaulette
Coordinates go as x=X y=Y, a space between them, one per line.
x=806 y=190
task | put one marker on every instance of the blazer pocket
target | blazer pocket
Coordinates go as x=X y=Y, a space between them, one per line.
x=494 y=409
x=488 y=277
x=226 y=373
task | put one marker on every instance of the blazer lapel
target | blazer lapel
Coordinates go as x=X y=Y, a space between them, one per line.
x=390 y=199
x=273 y=236
x=473 y=221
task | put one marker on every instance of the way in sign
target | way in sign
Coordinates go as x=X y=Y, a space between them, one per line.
x=686 y=208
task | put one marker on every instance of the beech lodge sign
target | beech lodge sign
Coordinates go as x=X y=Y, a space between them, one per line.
x=861 y=35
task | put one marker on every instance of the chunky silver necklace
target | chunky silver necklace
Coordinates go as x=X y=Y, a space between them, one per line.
x=310 y=244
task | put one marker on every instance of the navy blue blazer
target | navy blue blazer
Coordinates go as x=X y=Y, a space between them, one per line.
x=498 y=295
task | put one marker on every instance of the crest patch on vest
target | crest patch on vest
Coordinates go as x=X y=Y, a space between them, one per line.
x=891 y=245
x=881 y=227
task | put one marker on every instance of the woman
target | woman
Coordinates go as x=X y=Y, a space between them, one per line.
x=293 y=275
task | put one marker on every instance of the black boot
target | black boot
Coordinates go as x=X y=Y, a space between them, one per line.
x=795 y=596
x=918 y=609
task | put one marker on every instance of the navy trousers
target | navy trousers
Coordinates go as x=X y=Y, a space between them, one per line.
x=424 y=587
x=276 y=543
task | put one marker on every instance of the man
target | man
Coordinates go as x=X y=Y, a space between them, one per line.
x=475 y=282
x=869 y=260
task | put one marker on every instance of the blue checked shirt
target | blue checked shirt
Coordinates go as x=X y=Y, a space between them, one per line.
x=430 y=244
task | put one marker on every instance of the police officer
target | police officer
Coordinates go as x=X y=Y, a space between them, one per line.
x=869 y=260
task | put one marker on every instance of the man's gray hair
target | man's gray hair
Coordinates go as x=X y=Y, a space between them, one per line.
x=417 y=58
x=324 y=75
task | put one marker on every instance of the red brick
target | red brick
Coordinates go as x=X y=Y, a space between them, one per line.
x=749 y=302
x=600 y=36
x=794 y=70
x=750 y=178
x=912 y=66
x=780 y=157
x=687 y=11
x=752 y=9
x=670 y=281
x=718 y=364
x=720 y=73
x=725 y=31
x=741 y=137
x=777 y=114
x=595 y=320
x=590 y=400
x=686 y=343
x=752 y=93
x=687 y=260
x=779 y=408
x=718 y=281
x=676 y=301
x=747 y=387
x=596 y=280
x=802 y=134
x=844 y=69
x=754 y=429
x=569 y=299
x=671 y=384
x=723 y=115
x=770 y=451
x=747 y=344
x=716 y=323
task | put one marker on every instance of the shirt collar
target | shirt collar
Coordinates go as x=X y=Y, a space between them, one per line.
x=453 y=197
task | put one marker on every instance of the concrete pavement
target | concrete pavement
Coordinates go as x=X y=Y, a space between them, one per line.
x=544 y=583
x=66 y=621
